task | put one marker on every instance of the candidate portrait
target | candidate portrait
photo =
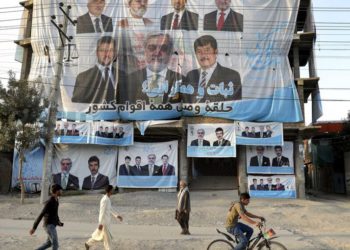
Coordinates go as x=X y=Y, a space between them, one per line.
x=98 y=83
x=153 y=83
x=223 y=18
x=180 y=19
x=94 y=21
x=211 y=82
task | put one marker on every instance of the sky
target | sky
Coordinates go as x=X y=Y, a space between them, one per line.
x=332 y=53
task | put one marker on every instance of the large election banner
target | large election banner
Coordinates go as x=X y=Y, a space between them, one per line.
x=102 y=133
x=275 y=186
x=156 y=60
x=148 y=165
x=264 y=133
x=215 y=140
x=86 y=167
x=270 y=160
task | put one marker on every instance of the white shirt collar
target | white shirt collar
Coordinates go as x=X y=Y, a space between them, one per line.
x=102 y=70
x=219 y=12
x=151 y=73
x=180 y=13
x=93 y=17
x=94 y=176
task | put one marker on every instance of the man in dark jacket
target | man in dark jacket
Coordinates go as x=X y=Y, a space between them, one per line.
x=96 y=180
x=94 y=21
x=65 y=178
x=212 y=82
x=51 y=219
x=183 y=207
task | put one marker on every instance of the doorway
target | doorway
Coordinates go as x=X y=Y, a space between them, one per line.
x=214 y=173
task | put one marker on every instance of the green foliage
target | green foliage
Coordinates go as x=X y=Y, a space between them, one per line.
x=21 y=104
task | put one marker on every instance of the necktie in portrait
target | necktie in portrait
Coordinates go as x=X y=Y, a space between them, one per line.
x=221 y=21
x=176 y=22
x=97 y=25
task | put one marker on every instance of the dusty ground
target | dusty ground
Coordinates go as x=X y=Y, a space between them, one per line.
x=316 y=223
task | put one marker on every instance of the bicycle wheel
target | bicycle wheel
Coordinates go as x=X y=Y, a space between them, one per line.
x=273 y=245
x=220 y=244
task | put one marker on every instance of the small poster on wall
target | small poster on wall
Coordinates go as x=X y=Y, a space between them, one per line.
x=275 y=186
x=270 y=160
x=211 y=140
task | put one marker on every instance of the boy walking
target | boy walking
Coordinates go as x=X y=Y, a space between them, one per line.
x=51 y=219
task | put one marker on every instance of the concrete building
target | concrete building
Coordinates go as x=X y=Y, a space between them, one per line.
x=230 y=173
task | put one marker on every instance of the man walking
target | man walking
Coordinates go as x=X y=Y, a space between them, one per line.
x=51 y=219
x=183 y=207
x=103 y=233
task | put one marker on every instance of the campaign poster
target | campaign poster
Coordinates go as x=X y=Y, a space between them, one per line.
x=32 y=169
x=270 y=159
x=84 y=167
x=275 y=186
x=71 y=132
x=263 y=133
x=216 y=140
x=112 y=133
x=157 y=60
x=148 y=165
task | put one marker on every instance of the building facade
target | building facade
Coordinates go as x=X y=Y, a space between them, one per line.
x=229 y=173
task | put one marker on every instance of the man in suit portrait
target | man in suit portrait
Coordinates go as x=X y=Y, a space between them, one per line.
x=65 y=130
x=279 y=160
x=219 y=132
x=137 y=169
x=106 y=132
x=74 y=131
x=94 y=21
x=200 y=141
x=99 y=132
x=137 y=9
x=125 y=169
x=224 y=18
x=65 y=179
x=252 y=133
x=211 y=82
x=96 y=180
x=261 y=132
x=261 y=185
x=120 y=132
x=259 y=159
x=254 y=185
x=279 y=186
x=245 y=133
x=114 y=133
x=153 y=83
x=180 y=18
x=98 y=84
x=268 y=132
x=269 y=186
x=167 y=169
x=151 y=169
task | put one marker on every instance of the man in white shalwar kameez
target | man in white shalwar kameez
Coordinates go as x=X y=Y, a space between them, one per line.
x=103 y=233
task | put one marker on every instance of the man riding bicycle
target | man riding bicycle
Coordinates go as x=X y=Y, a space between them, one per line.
x=242 y=231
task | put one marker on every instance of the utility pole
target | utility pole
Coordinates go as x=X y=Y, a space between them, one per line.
x=62 y=29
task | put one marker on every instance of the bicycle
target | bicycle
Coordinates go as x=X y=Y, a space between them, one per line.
x=262 y=241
